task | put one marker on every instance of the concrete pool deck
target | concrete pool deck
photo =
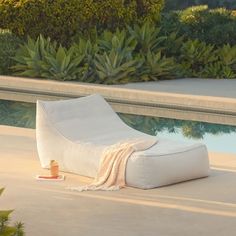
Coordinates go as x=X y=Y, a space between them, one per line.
x=201 y=207
x=208 y=100
x=192 y=86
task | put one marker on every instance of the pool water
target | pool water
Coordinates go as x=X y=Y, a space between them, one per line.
x=218 y=138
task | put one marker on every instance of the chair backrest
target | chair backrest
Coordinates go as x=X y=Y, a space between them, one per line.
x=82 y=108
x=84 y=118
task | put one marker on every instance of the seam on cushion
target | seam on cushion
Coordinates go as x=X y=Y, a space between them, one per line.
x=173 y=153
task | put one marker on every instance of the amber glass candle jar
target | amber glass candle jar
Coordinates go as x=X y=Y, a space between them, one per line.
x=54 y=168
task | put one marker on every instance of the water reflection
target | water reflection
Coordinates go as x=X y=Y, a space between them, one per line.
x=20 y=114
x=189 y=129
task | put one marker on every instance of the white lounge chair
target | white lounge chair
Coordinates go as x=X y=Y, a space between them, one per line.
x=75 y=132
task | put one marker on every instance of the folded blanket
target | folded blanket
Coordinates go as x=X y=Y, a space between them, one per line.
x=111 y=173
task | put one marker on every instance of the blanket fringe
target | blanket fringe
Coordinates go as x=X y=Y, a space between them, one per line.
x=93 y=188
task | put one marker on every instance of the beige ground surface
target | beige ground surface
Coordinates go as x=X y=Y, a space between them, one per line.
x=201 y=207
x=193 y=86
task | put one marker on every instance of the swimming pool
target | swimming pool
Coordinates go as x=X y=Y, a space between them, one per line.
x=218 y=138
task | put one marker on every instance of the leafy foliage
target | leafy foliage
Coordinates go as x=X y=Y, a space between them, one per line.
x=201 y=60
x=62 y=64
x=227 y=55
x=116 y=62
x=213 y=26
x=147 y=37
x=5 y=229
x=62 y=19
x=181 y=4
x=172 y=45
x=118 y=41
x=30 y=56
x=8 y=46
x=225 y=66
x=218 y=70
x=208 y=25
x=42 y=58
x=149 y=9
x=115 y=67
x=157 y=67
x=138 y=54
x=195 y=55
x=87 y=50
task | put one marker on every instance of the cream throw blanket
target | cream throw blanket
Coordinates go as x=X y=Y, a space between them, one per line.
x=111 y=173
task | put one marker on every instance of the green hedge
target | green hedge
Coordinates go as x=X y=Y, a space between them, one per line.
x=62 y=19
x=217 y=26
x=8 y=46
x=171 y=5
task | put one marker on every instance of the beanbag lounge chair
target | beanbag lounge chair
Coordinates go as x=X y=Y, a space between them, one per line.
x=76 y=132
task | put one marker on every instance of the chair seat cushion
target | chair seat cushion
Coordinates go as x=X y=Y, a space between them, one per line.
x=165 y=163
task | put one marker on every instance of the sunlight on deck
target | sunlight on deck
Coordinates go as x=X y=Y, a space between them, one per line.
x=173 y=210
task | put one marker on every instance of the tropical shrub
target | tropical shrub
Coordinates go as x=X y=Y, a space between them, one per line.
x=118 y=41
x=198 y=59
x=139 y=53
x=8 y=46
x=115 y=67
x=172 y=45
x=194 y=56
x=62 y=19
x=5 y=229
x=147 y=37
x=115 y=62
x=227 y=56
x=225 y=66
x=62 y=64
x=42 y=58
x=156 y=67
x=87 y=50
x=30 y=56
x=217 y=70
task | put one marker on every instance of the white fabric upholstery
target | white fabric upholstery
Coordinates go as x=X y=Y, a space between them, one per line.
x=75 y=132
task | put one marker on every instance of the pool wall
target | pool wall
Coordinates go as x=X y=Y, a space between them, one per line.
x=133 y=101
